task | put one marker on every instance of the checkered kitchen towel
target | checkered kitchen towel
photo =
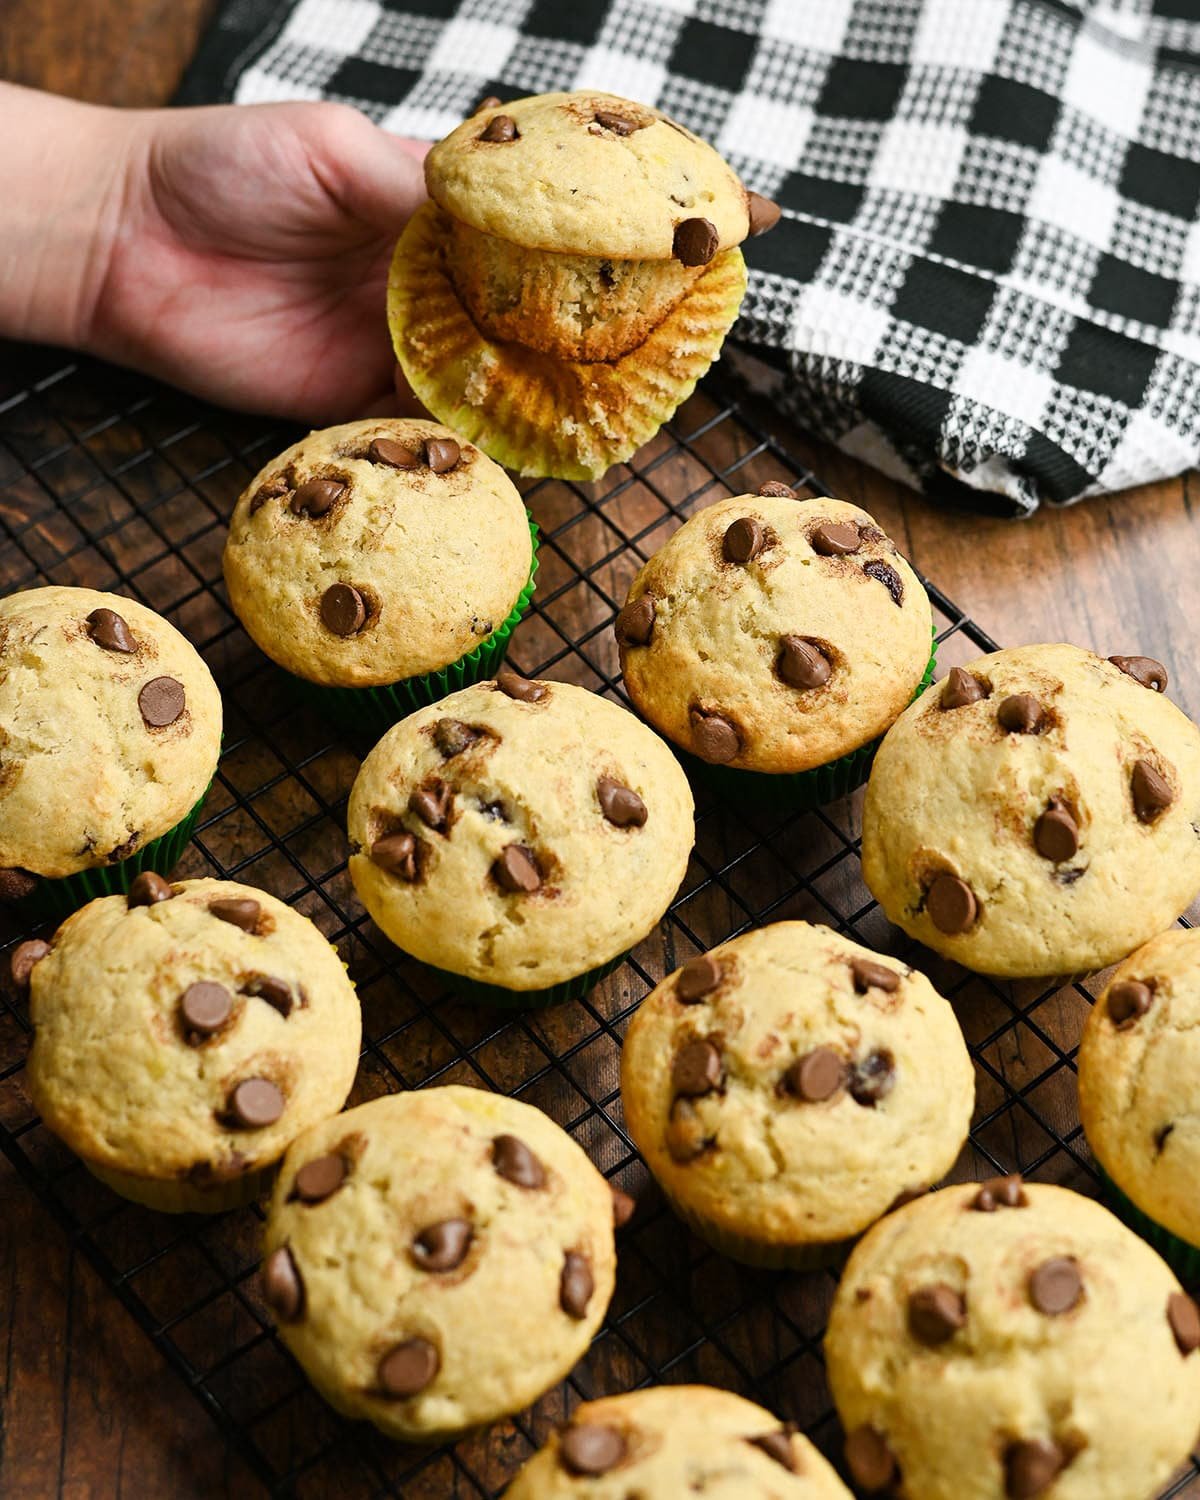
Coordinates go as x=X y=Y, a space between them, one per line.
x=987 y=279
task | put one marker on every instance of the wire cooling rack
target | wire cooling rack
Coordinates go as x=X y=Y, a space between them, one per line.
x=110 y=481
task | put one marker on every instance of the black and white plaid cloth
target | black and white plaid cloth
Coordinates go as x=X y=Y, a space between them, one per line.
x=987 y=278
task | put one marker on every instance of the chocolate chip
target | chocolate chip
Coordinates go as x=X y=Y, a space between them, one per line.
x=684 y=1136
x=624 y=1206
x=204 y=1008
x=698 y=977
x=238 y=911
x=491 y=102
x=764 y=213
x=499 y=129
x=816 y=1076
x=161 y=701
x=777 y=1445
x=869 y=975
x=776 y=489
x=282 y=1286
x=801 y=663
x=960 y=689
x=254 y=1104
x=24 y=957
x=575 y=1285
x=442 y=1246
x=408 y=1369
x=1031 y=1466
x=714 y=738
x=452 y=736
x=315 y=496
x=1152 y=792
x=835 y=539
x=515 y=1162
x=695 y=242
x=999 y=1192
x=1161 y=1136
x=396 y=853
x=609 y=120
x=1144 y=670
x=936 y=1313
x=147 y=889
x=1056 y=833
x=744 y=539
x=872 y=1078
x=16 y=884
x=620 y=804
x=432 y=803
x=343 y=611
x=124 y=849
x=697 y=1069
x=884 y=573
x=442 y=454
x=1128 y=1000
x=1020 y=714
x=270 y=489
x=513 y=685
x=320 y=1178
x=110 y=631
x=277 y=993
x=1184 y=1317
x=392 y=455
x=869 y=1458
x=516 y=870
x=951 y=904
x=589 y=1448
x=635 y=623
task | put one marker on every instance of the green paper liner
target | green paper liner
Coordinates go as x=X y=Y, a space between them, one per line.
x=757 y=1253
x=493 y=994
x=1182 y=1257
x=375 y=709
x=798 y=791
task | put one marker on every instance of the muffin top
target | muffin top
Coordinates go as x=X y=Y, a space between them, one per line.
x=375 y=551
x=1139 y=1080
x=1009 y=1343
x=1037 y=813
x=773 y=634
x=518 y=832
x=189 y=1031
x=589 y=173
x=111 y=731
x=438 y=1259
x=675 y=1440
x=790 y=1085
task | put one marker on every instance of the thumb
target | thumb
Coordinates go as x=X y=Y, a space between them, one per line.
x=376 y=177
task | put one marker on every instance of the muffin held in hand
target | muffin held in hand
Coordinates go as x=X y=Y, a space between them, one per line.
x=383 y=555
x=111 y=729
x=574 y=274
x=1037 y=813
x=437 y=1260
x=676 y=1440
x=1139 y=1093
x=789 y=1086
x=521 y=835
x=775 y=635
x=1009 y=1342
x=184 y=1035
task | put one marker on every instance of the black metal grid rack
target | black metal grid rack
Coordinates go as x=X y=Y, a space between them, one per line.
x=110 y=481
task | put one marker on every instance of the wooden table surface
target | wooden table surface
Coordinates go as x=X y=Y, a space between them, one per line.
x=89 y=1410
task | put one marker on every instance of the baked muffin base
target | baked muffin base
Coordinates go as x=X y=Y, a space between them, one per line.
x=174 y=1197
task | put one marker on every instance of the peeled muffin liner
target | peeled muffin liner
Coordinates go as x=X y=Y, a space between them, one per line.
x=540 y=416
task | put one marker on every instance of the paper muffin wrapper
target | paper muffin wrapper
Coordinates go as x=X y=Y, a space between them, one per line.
x=538 y=415
x=763 y=1255
x=172 y=1196
x=798 y=791
x=59 y=898
x=373 y=710
x=478 y=990
x=1182 y=1257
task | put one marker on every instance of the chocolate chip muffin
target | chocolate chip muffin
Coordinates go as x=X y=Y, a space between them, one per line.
x=675 y=1440
x=1037 y=813
x=573 y=275
x=1139 y=1092
x=436 y=1260
x=377 y=553
x=775 y=635
x=184 y=1035
x=789 y=1086
x=1012 y=1341
x=520 y=835
x=111 y=732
